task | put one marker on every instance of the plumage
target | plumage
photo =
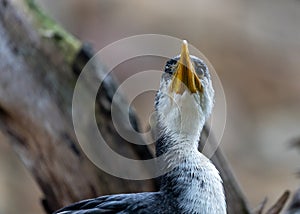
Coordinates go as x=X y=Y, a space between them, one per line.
x=120 y=203
x=191 y=183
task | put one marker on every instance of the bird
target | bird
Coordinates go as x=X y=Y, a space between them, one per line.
x=191 y=183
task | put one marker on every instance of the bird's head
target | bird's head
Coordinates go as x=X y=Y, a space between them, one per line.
x=186 y=96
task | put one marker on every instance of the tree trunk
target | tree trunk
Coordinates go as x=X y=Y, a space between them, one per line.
x=39 y=64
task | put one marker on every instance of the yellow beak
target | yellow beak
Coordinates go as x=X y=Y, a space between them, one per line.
x=185 y=76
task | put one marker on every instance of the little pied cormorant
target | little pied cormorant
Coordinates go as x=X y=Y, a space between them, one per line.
x=193 y=185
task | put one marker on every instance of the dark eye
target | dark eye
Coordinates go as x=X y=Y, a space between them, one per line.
x=169 y=68
x=200 y=69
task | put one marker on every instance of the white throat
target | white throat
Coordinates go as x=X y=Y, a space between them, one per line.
x=181 y=116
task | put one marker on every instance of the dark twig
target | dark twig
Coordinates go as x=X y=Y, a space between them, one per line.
x=278 y=206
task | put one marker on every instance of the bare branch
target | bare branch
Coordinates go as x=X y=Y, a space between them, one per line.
x=39 y=64
x=278 y=206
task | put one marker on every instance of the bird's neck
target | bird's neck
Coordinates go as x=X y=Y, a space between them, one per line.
x=192 y=182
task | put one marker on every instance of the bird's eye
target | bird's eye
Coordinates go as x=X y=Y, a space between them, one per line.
x=170 y=66
x=200 y=69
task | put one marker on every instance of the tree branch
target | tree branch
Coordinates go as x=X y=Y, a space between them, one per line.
x=39 y=64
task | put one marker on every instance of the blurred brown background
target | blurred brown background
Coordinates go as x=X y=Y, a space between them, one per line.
x=255 y=49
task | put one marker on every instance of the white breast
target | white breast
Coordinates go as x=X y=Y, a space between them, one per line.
x=204 y=194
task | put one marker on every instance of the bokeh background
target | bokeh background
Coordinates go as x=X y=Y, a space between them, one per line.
x=255 y=49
